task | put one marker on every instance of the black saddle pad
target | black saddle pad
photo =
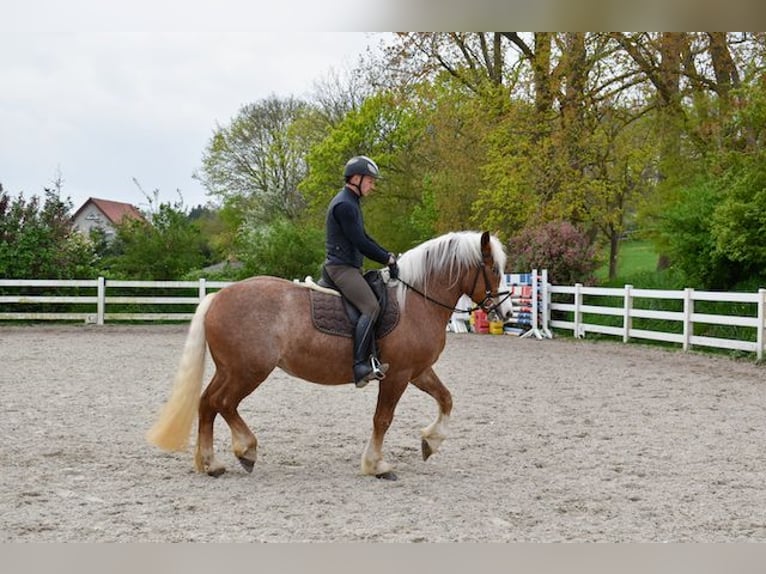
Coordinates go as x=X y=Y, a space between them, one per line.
x=328 y=313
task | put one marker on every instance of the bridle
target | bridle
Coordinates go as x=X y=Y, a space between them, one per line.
x=487 y=304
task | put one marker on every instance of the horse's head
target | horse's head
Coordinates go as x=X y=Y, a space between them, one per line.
x=457 y=263
x=489 y=288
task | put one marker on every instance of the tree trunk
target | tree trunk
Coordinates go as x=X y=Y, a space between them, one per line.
x=614 y=252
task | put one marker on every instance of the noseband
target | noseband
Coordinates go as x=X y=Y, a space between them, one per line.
x=487 y=304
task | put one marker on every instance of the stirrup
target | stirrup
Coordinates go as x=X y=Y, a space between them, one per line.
x=378 y=369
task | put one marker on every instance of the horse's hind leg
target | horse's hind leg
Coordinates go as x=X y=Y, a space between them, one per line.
x=223 y=396
x=434 y=434
x=244 y=444
x=204 y=457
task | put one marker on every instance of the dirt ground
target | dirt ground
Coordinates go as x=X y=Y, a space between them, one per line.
x=555 y=440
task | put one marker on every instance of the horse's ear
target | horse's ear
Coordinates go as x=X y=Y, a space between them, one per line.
x=485 y=247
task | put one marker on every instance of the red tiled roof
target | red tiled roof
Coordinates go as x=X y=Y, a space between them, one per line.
x=114 y=211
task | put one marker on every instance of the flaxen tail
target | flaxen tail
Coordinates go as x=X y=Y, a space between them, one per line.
x=171 y=431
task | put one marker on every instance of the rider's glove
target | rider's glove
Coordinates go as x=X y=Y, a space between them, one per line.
x=393 y=268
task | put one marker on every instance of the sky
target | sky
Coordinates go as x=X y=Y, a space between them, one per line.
x=117 y=99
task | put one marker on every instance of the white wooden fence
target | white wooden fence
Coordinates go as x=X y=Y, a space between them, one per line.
x=96 y=301
x=687 y=317
x=94 y=307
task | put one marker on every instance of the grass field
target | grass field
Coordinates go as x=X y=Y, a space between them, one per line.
x=637 y=266
x=635 y=257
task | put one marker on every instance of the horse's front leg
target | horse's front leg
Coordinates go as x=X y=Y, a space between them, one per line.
x=434 y=434
x=389 y=392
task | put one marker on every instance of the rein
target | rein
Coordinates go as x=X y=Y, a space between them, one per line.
x=483 y=305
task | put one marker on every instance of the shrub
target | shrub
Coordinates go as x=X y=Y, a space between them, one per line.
x=281 y=248
x=558 y=246
x=37 y=240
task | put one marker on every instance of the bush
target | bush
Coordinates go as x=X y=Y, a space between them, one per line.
x=558 y=246
x=712 y=236
x=161 y=250
x=281 y=248
x=37 y=240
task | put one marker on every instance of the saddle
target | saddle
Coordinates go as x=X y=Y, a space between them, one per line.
x=336 y=315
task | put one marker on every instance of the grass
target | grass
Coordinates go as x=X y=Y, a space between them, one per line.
x=635 y=258
x=637 y=266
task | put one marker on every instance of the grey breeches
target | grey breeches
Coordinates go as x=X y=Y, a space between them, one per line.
x=350 y=282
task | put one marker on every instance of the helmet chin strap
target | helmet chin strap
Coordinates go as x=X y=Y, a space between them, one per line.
x=357 y=188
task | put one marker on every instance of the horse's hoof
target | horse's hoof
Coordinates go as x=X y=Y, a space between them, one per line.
x=247 y=464
x=387 y=476
x=216 y=472
x=425 y=449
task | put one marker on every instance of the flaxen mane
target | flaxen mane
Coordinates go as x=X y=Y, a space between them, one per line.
x=454 y=252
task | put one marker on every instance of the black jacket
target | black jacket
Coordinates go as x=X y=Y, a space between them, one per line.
x=347 y=242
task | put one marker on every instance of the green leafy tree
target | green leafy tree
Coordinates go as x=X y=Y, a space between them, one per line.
x=281 y=248
x=711 y=227
x=211 y=227
x=162 y=249
x=254 y=163
x=37 y=240
x=448 y=160
x=386 y=129
x=685 y=233
x=739 y=223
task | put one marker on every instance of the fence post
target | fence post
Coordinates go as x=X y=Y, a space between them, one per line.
x=578 y=332
x=535 y=304
x=101 y=301
x=627 y=320
x=202 y=288
x=546 y=304
x=688 y=310
x=761 y=323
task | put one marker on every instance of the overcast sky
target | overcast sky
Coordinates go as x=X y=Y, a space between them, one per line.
x=101 y=93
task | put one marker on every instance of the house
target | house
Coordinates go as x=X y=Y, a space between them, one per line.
x=102 y=214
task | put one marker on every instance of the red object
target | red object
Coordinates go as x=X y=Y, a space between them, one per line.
x=480 y=321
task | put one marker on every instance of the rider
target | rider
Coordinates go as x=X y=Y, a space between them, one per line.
x=347 y=244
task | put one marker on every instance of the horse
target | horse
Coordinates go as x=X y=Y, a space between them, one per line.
x=258 y=324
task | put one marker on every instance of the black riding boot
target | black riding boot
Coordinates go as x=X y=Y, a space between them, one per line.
x=366 y=364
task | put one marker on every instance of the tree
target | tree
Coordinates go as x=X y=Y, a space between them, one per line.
x=449 y=157
x=37 y=240
x=558 y=246
x=477 y=60
x=162 y=249
x=386 y=129
x=339 y=93
x=739 y=220
x=713 y=233
x=684 y=232
x=704 y=87
x=281 y=248
x=545 y=137
x=254 y=163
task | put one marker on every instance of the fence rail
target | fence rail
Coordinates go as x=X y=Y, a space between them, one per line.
x=684 y=326
x=104 y=300
x=564 y=307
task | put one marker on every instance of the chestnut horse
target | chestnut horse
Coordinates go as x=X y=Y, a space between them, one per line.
x=253 y=326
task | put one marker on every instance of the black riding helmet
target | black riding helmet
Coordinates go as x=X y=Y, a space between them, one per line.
x=361 y=165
